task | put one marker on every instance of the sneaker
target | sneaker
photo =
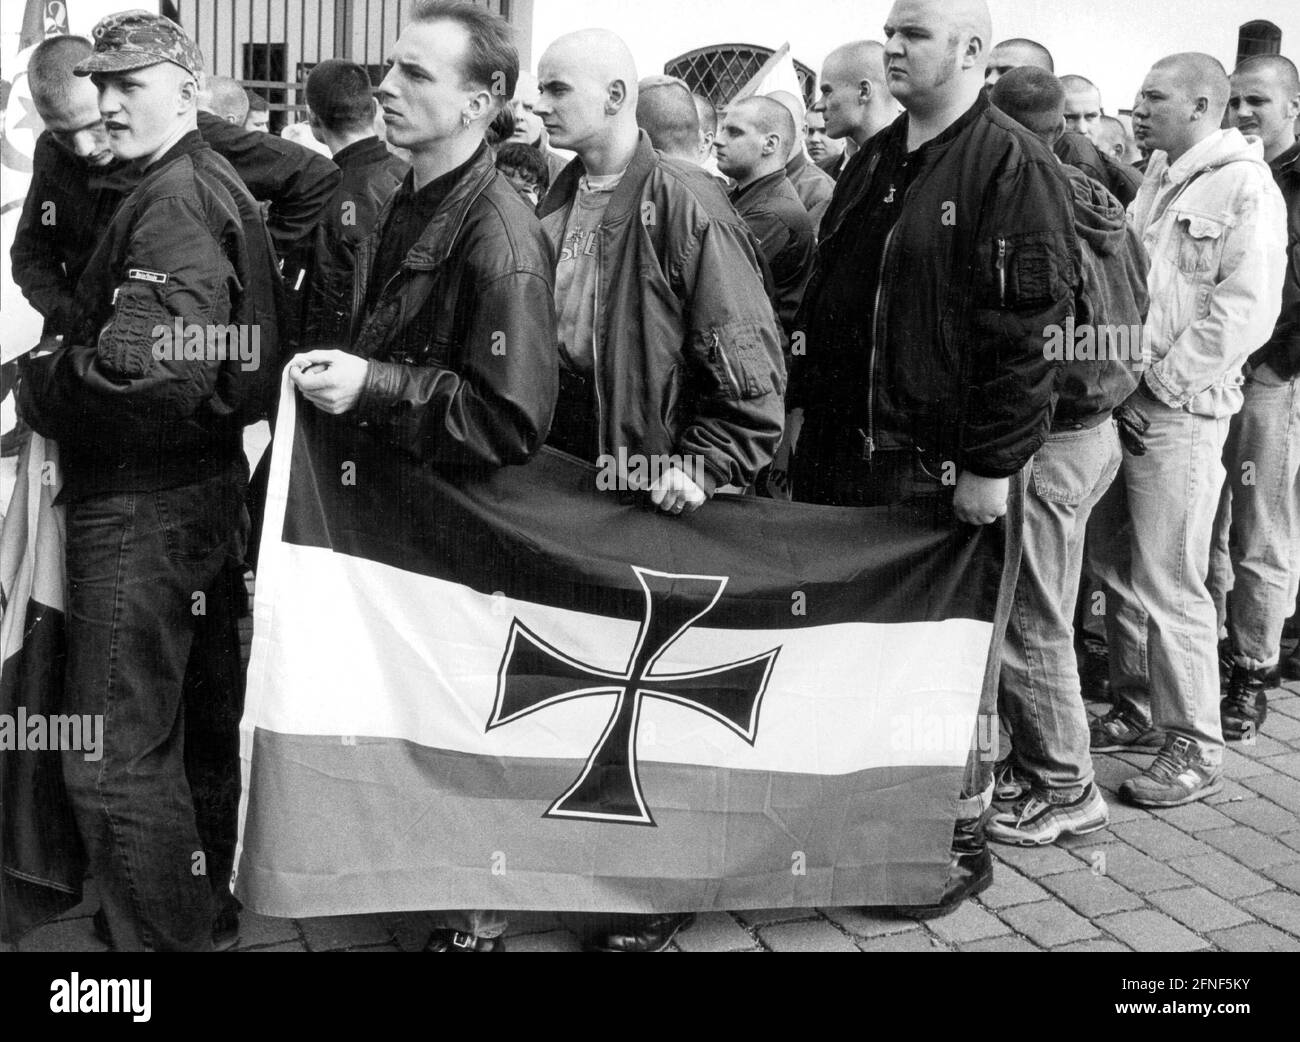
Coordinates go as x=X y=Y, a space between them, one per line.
x=1008 y=786
x=443 y=940
x=1175 y=777
x=1117 y=731
x=1034 y=822
x=1245 y=705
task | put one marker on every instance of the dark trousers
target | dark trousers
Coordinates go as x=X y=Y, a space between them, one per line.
x=153 y=649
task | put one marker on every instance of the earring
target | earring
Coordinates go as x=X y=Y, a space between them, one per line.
x=464 y=119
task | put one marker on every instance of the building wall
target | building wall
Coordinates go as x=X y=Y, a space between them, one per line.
x=1112 y=42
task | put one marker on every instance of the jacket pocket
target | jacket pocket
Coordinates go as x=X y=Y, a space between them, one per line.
x=735 y=356
x=1197 y=243
x=1026 y=271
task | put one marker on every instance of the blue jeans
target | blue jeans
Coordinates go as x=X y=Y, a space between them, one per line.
x=1153 y=547
x=1039 y=697
x=153 y=648
x=1253 y=561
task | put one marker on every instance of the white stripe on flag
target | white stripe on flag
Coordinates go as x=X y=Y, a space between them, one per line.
x=358 y=648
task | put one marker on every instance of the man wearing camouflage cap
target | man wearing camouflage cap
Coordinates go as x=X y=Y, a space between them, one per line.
x=161 y=369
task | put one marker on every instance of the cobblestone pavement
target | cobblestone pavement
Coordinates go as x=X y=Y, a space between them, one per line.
x=1218 y=875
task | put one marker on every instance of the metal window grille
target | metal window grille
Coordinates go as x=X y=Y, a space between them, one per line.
x=720 y=71
x=270 y=46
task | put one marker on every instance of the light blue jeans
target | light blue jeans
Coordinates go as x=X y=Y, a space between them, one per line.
x=1257 y=531
x=1152 y=546
x=1039 y=698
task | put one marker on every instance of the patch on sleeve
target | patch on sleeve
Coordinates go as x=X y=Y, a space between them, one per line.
x=145 y=275
x=126 y=342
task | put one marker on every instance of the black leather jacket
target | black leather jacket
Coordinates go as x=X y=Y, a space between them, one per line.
x=464 y=362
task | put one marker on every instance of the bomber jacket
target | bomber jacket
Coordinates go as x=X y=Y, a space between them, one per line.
x=1214 y=227
x=463 y=359
x=370 y=175
x=133 y=406
x=785 y=238
x=688 y=350
x=1282 y=351
x=981 y=261
x=69 y=205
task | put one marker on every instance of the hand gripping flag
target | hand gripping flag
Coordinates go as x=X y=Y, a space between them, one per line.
x=515 y=691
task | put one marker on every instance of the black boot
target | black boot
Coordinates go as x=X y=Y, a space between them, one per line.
x=639 y=933
x=1094 y=672
x=1289 y=666
x=970 y=871
x=1245 y=705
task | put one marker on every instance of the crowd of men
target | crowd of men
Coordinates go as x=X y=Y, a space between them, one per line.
x=954 y=280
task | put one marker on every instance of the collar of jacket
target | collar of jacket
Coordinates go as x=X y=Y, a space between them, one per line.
x=626 y=199
x=1213 y=150
x=191 y=141
x=898 y=129
x=797 y=162
x=361 y=153
x=1287 y=162
x=435 y=243
x=758 y=185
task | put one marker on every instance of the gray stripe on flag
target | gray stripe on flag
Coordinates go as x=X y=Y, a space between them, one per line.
x=340 y=826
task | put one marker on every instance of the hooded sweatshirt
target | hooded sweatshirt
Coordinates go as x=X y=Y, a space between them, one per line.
x=1214 y=227
x=1102 y=355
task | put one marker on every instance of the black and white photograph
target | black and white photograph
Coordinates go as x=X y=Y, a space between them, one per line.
x=650 y=476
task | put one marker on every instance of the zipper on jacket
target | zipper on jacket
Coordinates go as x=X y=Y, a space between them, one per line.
x=595 y=349
x=1002 y=272
x=716 y=353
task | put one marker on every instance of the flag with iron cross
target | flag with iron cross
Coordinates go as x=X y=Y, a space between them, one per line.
x=516 y=691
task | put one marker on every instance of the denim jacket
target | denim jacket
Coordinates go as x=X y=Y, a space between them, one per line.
x=1214 y=226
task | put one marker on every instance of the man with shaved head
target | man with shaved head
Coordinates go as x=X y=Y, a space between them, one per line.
x=665 y=110
x=1048 y=776
x=1013 y=54
x=1079 y=147
x=811 y=184
x=1115 y=141
x=1257 y=533
x=225 y=99
x=752 y=142
x=1082 y=105
x=947 y=250
x=154 y=477
x=854 y=95
x=1214 y=225
x=669 y=347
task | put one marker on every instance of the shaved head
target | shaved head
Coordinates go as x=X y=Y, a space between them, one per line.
x=1015 y=54
x=665 y=110
x=1283 y=69
x=935 y=54
x=859 y=60
x=1199 y=76
x=1113 y=139
x=598 y=54
x=768 y=114
x=49 y=71
x=588 y=97
x=224 y=97
x=795 y=107
x=1034 y=98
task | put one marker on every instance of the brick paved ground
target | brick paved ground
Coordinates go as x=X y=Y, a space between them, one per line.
x=1220 y=875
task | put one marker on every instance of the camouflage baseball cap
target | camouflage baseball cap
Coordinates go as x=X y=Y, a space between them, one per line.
x=134 y=39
